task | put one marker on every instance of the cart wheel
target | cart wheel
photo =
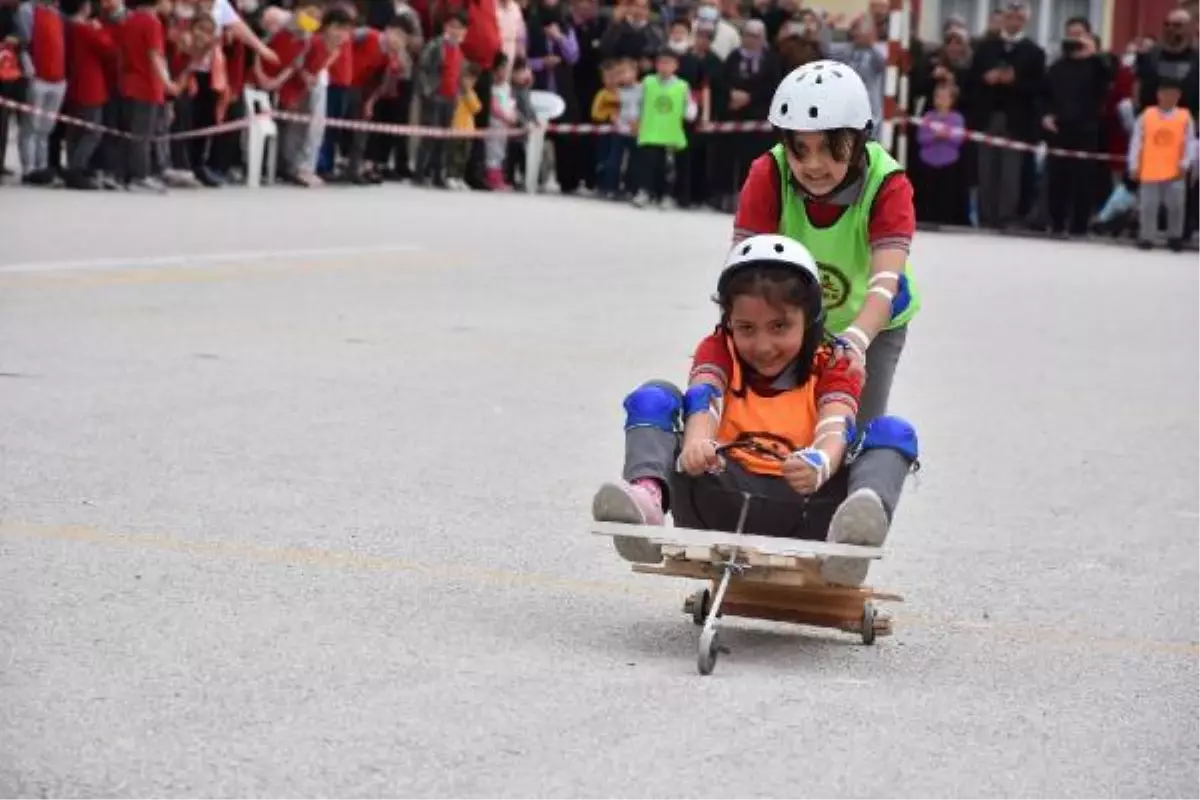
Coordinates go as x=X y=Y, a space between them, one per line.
x=699 y=607
x=708 y=650
x=868 y=623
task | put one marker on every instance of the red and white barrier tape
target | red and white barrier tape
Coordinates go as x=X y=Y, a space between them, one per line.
x=563 y=128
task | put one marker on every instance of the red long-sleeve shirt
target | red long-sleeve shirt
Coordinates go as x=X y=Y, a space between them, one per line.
x=92 y=52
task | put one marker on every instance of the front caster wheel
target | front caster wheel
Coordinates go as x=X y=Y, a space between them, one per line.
x=868 y=624
x=708 y=650
x=698 y=605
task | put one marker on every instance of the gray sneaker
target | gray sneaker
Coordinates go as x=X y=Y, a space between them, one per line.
x=861 y=519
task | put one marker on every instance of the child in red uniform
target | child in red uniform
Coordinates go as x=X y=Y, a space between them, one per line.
x=145 y=84
x=375 y=56
x=43 y=62
x=90 y=49
x=850 y=204
x=764 y=381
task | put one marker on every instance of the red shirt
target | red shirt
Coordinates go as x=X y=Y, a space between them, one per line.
x=48 y=46
x=835 y=381
x=482 y=41
x=290 y=46
x=452 y=58
x=369 y=58
x=92 y=50
x=893 y=220
x=235 y=65
x=341 y=71
x=142 y=35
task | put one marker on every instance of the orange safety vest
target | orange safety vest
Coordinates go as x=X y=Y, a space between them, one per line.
x=785 y=422
x=1164 y=142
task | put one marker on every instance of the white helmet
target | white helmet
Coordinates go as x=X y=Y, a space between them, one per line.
x=821 y=96
x=770 y=248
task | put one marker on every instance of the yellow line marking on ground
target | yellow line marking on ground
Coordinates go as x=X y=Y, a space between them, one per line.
x=146 y=276
x=303 y=556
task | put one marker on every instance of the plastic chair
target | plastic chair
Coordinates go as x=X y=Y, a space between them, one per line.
x=262 y=137
x=547 y=106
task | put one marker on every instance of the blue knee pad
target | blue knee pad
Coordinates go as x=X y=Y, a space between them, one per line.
x=653 y=405
x=891 y=433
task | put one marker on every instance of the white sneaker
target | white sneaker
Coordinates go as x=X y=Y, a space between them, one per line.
x=861 y=519
x=641 y=199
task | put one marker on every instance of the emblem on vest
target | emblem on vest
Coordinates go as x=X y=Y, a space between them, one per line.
x=835 y=286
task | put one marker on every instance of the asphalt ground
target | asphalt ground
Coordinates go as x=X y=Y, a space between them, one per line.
x=295 y=490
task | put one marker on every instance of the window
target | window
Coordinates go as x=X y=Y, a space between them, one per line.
x=968 y=10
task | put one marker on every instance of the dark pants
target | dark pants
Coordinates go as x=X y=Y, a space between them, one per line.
x=204 y=115
x=1000 y=173
x=383 y=147
x=111 y=156
x=140 y=121
x=941 y=193
x=82 y=143
x=431 y=154
x=337 y=100
x=571 y=161
x=1071 y=182
x=227 y=147
x=181 y=122
x=617 y=146
x=653 y=162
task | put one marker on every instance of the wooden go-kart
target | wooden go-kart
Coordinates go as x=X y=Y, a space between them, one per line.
x=758 y=577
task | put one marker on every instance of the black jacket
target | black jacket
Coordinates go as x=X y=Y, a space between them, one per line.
x=1017 y=100
x=1074 y=92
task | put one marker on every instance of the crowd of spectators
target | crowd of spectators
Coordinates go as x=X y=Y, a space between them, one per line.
x=653 y=73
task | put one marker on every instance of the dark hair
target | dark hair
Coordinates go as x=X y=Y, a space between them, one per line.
x=471 y=70
x=1087 y=25
x=520 y=63
x=458 y=16
x=781 y=287
x=843 y=143
x=684 y=21
x=501 y=60
x=607 y=64
x=334 y=17
x=403 y=22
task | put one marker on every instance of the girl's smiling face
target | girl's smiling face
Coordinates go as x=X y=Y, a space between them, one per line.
x=815 y=165
x=766 y=336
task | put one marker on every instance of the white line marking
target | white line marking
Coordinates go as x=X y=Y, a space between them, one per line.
x=192 y=259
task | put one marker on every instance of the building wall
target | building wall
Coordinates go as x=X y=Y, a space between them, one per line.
x=1136 y=18
x=1046 y=17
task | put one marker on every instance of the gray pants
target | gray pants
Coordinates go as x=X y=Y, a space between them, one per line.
x=141 y=122
x=713 y=502
x=82 y=142
x=292 y=139
x=35 y=129
x=1153 y=196
x=882 y=357
x=999 y=178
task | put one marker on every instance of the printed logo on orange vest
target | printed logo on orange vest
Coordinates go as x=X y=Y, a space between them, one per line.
x=835 y=286
x=1163 y=137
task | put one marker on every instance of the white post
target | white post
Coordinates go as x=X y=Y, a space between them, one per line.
x=535 y=141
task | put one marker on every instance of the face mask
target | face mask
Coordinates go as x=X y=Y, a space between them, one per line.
x=1129 y=59
x=678 y=45
x=185 y=12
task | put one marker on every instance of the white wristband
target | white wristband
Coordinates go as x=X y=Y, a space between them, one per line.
x=817 y=459
x=863 y=342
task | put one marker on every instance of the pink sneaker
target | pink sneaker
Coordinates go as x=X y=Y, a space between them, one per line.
x=495 y=180
x=633 y=505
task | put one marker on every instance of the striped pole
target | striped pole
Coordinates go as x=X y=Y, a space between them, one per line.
x=895 y=89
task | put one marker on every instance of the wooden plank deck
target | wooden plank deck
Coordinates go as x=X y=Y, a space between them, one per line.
x=765 y=545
